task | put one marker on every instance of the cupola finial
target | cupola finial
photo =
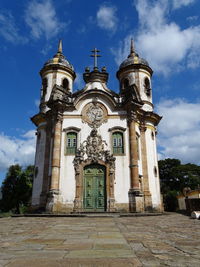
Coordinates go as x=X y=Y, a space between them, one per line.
x=132 y=46
x=132 y=50
x=60 y=46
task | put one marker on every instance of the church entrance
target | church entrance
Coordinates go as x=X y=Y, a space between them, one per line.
x=94 y=188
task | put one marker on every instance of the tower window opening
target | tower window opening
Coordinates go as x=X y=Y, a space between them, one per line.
x=126 y=83
x=44 y=87
x=65 y=84
x=147 y=87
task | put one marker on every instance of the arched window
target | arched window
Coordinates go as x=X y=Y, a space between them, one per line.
x=71 y=144
x=118 y=144
x=65 y=84
x=147 y=86
x=44 y=87
x=125 y=83
x=152 y=135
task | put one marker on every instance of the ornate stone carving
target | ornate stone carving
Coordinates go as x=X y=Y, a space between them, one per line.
x=93 y=149
x=94 y=114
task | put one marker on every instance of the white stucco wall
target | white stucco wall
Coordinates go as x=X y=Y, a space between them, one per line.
x=154 y=183
x=122 y=172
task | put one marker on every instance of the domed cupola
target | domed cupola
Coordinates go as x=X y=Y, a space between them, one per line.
x=133 y=59
x=59 y=59
x=56 y=71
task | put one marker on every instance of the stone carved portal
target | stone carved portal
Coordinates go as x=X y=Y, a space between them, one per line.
x=93 y=151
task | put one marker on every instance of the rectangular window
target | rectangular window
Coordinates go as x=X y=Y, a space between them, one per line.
x=71 y=143
x=118 y=148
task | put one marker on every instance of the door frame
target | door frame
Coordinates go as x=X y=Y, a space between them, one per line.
x=95 y=166
x=109 y=181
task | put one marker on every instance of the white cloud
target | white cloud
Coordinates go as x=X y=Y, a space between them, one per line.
x=41 y=17
x=163 y=43
x=37 y=102
x=179 y=130
x=123 y=50
x=192 y=18
x=106 y=18
x=17 y=151
x=9 y=30
x=179 y=3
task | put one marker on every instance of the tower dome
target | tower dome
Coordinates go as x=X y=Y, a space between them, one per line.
x=133 y=61
x=59 y=59
x=133 y=58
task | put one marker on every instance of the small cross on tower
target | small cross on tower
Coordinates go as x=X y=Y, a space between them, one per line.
x=95 y=55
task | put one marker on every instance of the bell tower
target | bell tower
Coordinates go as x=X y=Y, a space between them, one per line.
x=136 y=71
x=56 y=71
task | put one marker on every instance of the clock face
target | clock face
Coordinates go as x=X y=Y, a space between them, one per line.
x=94 y=114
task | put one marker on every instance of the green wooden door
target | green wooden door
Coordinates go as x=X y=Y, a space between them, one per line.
x=94 y=198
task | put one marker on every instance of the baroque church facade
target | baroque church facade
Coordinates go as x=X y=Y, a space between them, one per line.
x=96 y=149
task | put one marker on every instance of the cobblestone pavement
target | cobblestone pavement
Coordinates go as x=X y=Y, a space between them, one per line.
x=168 y=240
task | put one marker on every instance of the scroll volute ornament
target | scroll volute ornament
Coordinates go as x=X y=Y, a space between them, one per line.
x=132 y=115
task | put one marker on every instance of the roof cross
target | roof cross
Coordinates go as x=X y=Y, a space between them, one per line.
x=95 y=55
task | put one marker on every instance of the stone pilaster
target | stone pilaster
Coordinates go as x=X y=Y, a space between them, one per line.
x=45 y=182
x=146 y=192
x=55 y=167
x=135 y=196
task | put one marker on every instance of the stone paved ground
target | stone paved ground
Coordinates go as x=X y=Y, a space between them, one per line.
x=168 y=240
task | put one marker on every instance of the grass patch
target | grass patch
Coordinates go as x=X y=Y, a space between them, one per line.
x=5 y=214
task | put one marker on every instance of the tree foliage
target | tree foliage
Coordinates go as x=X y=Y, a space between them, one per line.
x=17 y=188
x=174 y=177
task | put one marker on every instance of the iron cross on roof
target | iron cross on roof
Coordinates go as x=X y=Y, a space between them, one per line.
x=95 y=55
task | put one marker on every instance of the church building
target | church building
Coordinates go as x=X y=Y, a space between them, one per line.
x=96 y=148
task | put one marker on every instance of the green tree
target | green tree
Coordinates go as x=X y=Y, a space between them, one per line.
x=167 y=169
x=17 y=188
x=174 y=177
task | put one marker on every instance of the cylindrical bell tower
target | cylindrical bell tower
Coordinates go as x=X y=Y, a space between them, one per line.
x=56 y=71
x=136 y=71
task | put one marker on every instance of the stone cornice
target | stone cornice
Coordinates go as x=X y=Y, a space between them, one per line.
x=38 y=118
x=134 y=66
x=55 y=67
x=117 y=128
x=148 y=103
x=149 y=116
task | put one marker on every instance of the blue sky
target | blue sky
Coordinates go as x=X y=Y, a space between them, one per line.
x=165 y=32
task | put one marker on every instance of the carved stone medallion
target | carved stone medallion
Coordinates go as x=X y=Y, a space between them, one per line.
x=94 y=114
